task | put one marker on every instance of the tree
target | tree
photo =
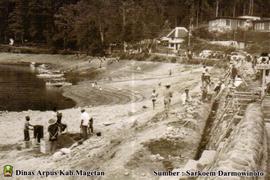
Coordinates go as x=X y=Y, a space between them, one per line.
x=18 y=21
x=5 y=6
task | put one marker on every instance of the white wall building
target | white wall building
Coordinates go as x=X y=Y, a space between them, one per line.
x=175 y=38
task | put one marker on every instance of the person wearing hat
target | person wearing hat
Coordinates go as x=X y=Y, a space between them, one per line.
x=53 y=134
x=27 y=128
x=167 y=99
x=85 y=121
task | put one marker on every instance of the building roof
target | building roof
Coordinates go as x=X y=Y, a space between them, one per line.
x=243 y=18
x=226 y=17
x=249 y=17
x=262 y=21
x=178 y=32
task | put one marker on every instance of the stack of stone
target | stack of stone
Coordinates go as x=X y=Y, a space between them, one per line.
x=245 y=148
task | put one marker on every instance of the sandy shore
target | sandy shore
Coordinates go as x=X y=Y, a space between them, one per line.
x=132 y=133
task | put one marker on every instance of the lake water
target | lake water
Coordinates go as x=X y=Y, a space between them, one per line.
x=20 y=90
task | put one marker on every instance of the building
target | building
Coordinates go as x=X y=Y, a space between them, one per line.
x=224 y=24
x=175 y=38
x=262 y=25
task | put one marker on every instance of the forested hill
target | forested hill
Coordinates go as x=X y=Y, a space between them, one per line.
x=93 y=24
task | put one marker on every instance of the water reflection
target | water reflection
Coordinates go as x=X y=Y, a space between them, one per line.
x=21 y=90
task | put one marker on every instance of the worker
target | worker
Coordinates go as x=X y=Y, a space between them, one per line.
x=203 y=78
x=254 y=62
x=27 y=126
x=85 y=118
x=186 y=98
x=90 y=127
x=38 y=133
x=154 y=97
x=204 y=93
x=189 y=54
x=53 y=134
x=207 y=77
x=234 y=73
x=167 y=99
x=62 y=127
x=203 y=75
x=220 y=86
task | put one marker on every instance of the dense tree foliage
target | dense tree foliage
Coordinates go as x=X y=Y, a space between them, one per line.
x=93 y=25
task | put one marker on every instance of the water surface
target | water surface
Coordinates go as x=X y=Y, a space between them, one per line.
x=20 y=90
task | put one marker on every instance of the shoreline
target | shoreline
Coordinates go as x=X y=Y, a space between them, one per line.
x=122 y=112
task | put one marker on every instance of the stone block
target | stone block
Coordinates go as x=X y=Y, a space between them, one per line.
x=191 y=165
x=27 y=144
x=65 y=150
x=207 y=157
x=239 y=159
x=44 y=146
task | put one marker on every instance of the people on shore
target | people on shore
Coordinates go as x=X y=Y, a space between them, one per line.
x=90 y=127
x=207 y=77
x=85 y=121
x=254 y=62
x=189 y=55
x=62 y=126
x=203 y=75
x=154 y=98
x=27 y=126
x=38 y=133
x=53 y=134
x=204 y=93
x=234 y=73
x=220 y=86
x=167 y=99
x=186 y=98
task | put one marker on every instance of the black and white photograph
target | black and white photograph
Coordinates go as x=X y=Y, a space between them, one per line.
x=135 y=89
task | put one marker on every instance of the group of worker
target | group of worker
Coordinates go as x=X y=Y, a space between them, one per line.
x=208 y=85
x=56 y=127
x=167 y=99
x=168 y=94
x=186 y=97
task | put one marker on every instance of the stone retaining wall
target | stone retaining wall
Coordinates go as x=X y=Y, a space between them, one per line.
x=244 y=146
